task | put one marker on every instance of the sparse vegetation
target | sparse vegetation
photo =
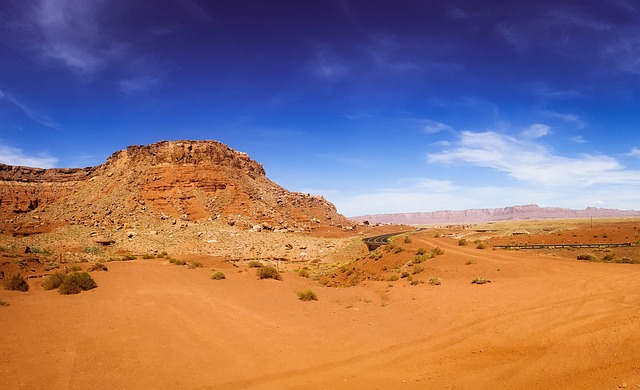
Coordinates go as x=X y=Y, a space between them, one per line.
x=92 y=250
x=480 y=280
x=435 y=281
x=481 y=245
x=608 y=258
x=177 y=261
x=404 y=274
x=97 y=267
x=53 y=281
x=218 y=275
x=587 y=257
x=469 y=262
x=254 y=264
x=420 y=251
x=76 y=282
x=304 y=272
x=307 y=295
x=51 y=266
x=195 y=264
x=148 y=256
x=415 y=282
x=15 y=282
x=3 y=303
x=462 y=242
x=393 y=277
x=407 y=239
x=437 y=251
x=74 y=268
x=417 y=259
x=268 y=272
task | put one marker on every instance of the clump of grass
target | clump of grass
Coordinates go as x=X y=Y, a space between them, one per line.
x=53 y=281
x=148 y=256
x=417 y=259
x=97 y=267
x=76 y=282
x=195 y=264
x=15 y=282
x=254 y=264
x=481 y=245
x=177 y=261
x=307 y=295
x=608 y=258
x=404 y=274
x=393 y=277
x=462 y=242
x=435 y=281
x=128 y=256
x=420 y=251
x=415 y=282
x=407 y=240
x=218 y=275
x=304 y=272
x=417 y=269
x=437 y=251
x=587 y=257
x=480 y=280
x=268 y=272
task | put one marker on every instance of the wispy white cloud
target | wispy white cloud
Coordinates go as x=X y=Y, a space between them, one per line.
x=537 y=130
x=635 y=152
x=566 y=117
x=139 y=84
x=14 y=156
x=433 y=127
x=578 y=139
x=532 y=163
x=30 y=112
x=326 y=64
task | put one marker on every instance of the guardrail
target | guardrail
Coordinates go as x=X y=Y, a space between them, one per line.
x=556 y=246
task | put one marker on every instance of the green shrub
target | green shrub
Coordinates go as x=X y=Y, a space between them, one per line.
x=304 y=272
x=268 y=272
x=307 y=295
x=218 y=275
x=76 y=282
x=53 y=281
x=15 y=282
x=254 y=264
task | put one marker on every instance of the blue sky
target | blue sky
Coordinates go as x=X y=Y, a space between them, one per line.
x=380 y=106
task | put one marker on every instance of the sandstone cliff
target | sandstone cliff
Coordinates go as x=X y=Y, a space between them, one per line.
x=177 y=180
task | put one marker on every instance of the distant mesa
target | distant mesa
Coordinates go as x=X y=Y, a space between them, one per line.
x=168 y=180
x=526 y=212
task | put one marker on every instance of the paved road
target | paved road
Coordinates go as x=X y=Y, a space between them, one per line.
x=383 y=239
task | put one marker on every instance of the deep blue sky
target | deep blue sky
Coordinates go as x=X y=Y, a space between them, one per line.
x=380 y=106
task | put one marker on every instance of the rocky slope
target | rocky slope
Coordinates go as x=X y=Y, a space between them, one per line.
x=173 y=181
x=498 y=214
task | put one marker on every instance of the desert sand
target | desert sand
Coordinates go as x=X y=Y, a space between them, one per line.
x=546 y=321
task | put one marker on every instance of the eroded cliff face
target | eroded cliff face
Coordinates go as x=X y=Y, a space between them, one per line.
x=179 y=180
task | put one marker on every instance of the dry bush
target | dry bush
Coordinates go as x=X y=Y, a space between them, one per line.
x=15 y=282
x=480 y=280
x=304 y=272
x=435 y=281
x=218 y=275
x=437 y=251
x=268 y=272
x=97 y=267
x=587 y=257
x=53 y=281
x=254 y=264
x=420 y=251
x=307 y=295
x=462 y=242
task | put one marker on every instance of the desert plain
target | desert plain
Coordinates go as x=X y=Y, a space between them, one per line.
x=383 y=319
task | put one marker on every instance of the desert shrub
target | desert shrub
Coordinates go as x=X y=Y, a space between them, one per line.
x=3 y=303
x=404 y=274
x=480 y=280
x=268 y=272
x=481 y=245
x=218 y=275
x=469 y=262
x=51 y=266
x=97 y=267
x=92 y=250
x=307 y=295
x=74 y=268
x=177 y=261
x=407 y=240
x=53 y=281
x=163 y=254
x=375 y=255
x=304 y=272
x=587 y=257
x=462 y=242
x=420 y=251
x=15 y=282
x=437 y=235
x=416 y=282
x=437 y=251
x=417 y=259
x=128 y=256
x=393 y=278
x=626 y=260
x=254 y=264
x=148 y=256
x=76 y=282
x=195 y=264
x=608 y=258
x=435 y=281
x=417 y=269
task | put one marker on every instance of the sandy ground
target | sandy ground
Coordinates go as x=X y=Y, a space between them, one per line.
x=545 y=322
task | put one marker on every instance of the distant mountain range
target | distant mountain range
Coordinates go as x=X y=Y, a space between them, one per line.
x=514 y=213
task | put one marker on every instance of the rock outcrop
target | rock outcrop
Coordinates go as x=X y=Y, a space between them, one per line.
x=176 y=180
